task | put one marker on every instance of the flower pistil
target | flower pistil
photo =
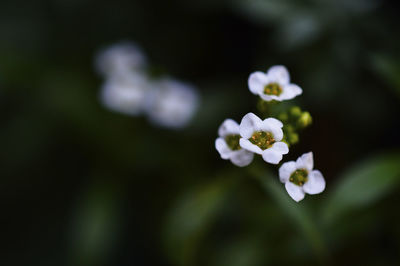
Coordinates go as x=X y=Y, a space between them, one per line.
x=273 y=89
x=299 y=177
x=262 y=139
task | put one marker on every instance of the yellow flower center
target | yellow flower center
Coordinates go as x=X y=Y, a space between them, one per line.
x=299 y=177
x=273 y=89
x=233 y=142
x=262 y=139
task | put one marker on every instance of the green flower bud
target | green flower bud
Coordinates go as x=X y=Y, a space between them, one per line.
x=293 y=138
x=284 y=117
x=295 y=111
x=305 y=120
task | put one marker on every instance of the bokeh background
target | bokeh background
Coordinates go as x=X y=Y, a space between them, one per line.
x=81 y=185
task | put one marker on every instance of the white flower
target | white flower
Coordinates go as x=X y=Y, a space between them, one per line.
x=171 y=103
x=125 y=94
x=263 y=137
x=273 y=85
x=228 y=144
x=119 y=59
x=300 y=178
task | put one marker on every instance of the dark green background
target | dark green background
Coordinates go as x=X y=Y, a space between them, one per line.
x=81 y=185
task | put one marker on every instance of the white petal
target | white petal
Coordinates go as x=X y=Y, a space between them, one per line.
x=249 y=124
x=172 y=103
x=257 y=81
x=274 y=121
x=228 y=127
x=268 y=98
x=315 y=183
x=280 y=147
x=286 y=170
x=242 y=158
x=290 y=91
x=247 y=145
x=279 y=74
x=295 y=192
x=223 y=148
x=125 y=94
x=305 y=161
x=276 y=131
x=272 y=156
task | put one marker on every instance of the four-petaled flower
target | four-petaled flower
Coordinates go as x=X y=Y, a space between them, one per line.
x=300 y=178
x=263 y=137
x=125 y=94
x=172 y=103
x=273 y=85
x=227 y=144
x=120 y=59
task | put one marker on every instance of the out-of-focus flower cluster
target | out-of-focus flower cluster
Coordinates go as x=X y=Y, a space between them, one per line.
x=272 y=137
x=129 y=89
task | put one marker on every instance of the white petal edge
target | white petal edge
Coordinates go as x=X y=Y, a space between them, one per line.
x=257 y=81
x=247 y=145
x=315 y=184
x=290 y=91
x=279 y=74
x=276 y=131
x=268 y=98
x=249 y=124
x=305 y=161
x=242 y=158
x=272 y=156
x=286 y=170
x=223 y=148
x=294 y=191
x=280 y=147
x=228 y=127
x=274 y=122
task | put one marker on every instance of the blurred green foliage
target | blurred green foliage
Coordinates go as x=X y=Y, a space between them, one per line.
x=84 y=186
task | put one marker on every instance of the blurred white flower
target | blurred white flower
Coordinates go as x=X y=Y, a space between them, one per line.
x=125 y=94
x=300 y=178
x=273 y=85
x=227 y=144
x=171 y=103
x=263 y=137
x=119 y=59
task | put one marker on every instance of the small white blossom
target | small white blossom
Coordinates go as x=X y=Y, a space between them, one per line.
x=172 y=103
x=273 y=85
x=119 y=59
x=263 y=137
x=125 y=94
x=227 y=144
x=300 y=178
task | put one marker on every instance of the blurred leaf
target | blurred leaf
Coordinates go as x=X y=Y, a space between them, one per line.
x=95 y=226
x=191 y=217
x=363 y=184
x=389 y=69
x=240 y=252
x=297 y=212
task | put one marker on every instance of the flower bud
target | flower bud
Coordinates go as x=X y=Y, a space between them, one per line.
x=305 y=120
x=293 y=138
x=284 y=117
x=295 y=111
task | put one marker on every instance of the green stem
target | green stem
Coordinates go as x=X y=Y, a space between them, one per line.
x=295 y=211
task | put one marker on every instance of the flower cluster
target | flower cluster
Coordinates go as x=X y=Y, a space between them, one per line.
x=272 y=136
x=128 y=88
